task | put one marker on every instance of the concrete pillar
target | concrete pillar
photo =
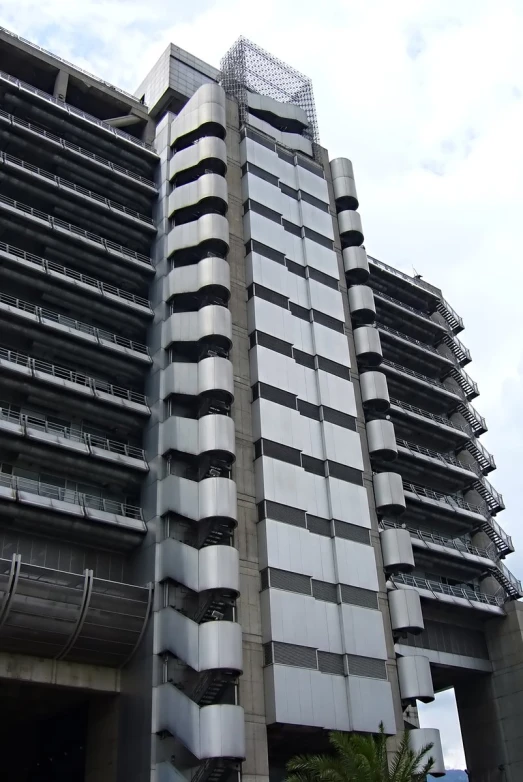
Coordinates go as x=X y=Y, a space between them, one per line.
x=60 y=85
x=256 y=765
x=491 y=707
x=102 y=740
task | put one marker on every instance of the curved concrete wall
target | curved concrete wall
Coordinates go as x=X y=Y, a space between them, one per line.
x=208 y=149
x=209 y=376
x=207 y=499
x=207 y=106
x=212 y=322
x=212 y=567
x=208 y=187
x=210 y=229
x=209 y=273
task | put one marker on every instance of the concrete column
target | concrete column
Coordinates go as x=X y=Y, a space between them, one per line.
x=102 y=740
x=491 y=707
x=256 y=765
x=60 y=85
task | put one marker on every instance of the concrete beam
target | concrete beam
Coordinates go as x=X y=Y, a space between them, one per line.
x=38 y=670
x=60 y=85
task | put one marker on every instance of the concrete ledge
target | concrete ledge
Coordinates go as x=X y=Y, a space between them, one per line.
x=38 y=670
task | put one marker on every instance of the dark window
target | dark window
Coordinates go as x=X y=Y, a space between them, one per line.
x=260 y=139
x=263 y=249
x=325 y=279
x=310 y=166
x=333 y=368
x=314 y=201
x=305 y=359
x=272 y=450
x=285 y=156
x=272 y=343
x=272 y=394
x=340 y=419
x=318 y=238
x=296 y=269
x=308 y=410
x=328 y=322
x=319 y=526
x=285 y=513
x=291 y=228
x=344 y=473
x=351 y=532
x=300 y=312
x=261 y=209
x=267 y=295
x=250 y=168
x=310 y=464
x=289 y=191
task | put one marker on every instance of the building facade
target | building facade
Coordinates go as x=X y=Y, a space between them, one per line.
x=243 y=501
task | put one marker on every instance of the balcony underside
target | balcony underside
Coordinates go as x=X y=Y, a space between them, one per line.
x=397 y=316
x=432 y=472
x=434 y=515
x=426 y=431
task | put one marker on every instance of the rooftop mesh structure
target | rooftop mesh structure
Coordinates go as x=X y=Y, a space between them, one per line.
x=248 y=67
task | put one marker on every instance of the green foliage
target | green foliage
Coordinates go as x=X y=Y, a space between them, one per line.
x=362 y=758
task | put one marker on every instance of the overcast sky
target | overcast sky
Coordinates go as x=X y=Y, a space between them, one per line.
x=425 y=97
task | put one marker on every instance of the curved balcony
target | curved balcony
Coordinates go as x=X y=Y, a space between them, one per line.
x=286 y=117
x=47 y=612
x=343 y=184
x=356 y=265
x=210 y=275
x=210 y=377
x=210 y=646
x=421 y=737
x=415 y=679
x=396 y=548
x=25 y=367
x=216 y=731
x=207 y=193
x=75 y=234
x=382 y=440
x=210 y=498
x=59 y=325
x=368 y=346
x=210 y=324
x=361 y=304
x=208 y=234
x=204 y=112
x=405 y=611
x=211 y=434
x=388 y=493
x=89 y=518
x=77 y=192
x=207 y=155
x=211 y=567
x=374 y=392
x=455 y=595
x=351 y=231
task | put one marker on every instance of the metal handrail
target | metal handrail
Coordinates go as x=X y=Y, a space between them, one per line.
x=68 y=495
x=459 y=544
x=78 y=112
x=419 y=376
x=446 y=589
x=446 y=306
x=445 y=457
x=77 y=325
x=414 y=281
x=510 y=576
x=36 y=365
x=69 y=433
x=423 y=345
x=103 y=287
x=438 y=418
x=65 y=183
x=402 y=304
x=52 y=221
x=75 y=148
x=450 y=499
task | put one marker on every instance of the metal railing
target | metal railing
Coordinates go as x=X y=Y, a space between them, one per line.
x=77 y=112
x=422 y=345
x=440 y=419
x=437 y=383
x=455 y=321
x=516 y=583
x=36 y=365
x=52 y=492
x=63 y=320
x=413 y=280
x=452 y=500
x=446 y=589
x=459 y=544
x=67 y=185
x=402 y=304
x=75 y=148
x=69 y=433
x=55 y=221
x=448 y=458
x=50 y=266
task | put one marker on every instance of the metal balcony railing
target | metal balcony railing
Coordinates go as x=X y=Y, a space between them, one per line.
x=447 y=458
x=50 y=266
x=63 y=320
x=446 y=589
x=76 y=112
x=477 y=423
x=481 y=455
x=508 y=580
x=460 y=352
x=66 y=185
x=431 y=381
x=422 y=345
x=459 y=544
x=35 y=365
x=69 y=433
x=454 y=321
x=51 y=137
x=74 y=229
x=402 y=304
x=468 y=386
x=413 y=280
x=440 y=419
x=68 y=495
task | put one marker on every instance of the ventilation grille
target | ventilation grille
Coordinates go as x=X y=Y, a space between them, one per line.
x=321 y=590
x=358 y=597
x=290 y=582
x=366 y=666
x=319 y=526
x=289 y=654
x=351 y=532
x=331 y=663
x=284 y=513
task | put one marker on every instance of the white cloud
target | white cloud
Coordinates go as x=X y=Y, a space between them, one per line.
x=425 y=96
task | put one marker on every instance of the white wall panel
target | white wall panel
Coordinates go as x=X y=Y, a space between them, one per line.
x=323 y=565
x=349 y=502
x=290 y=618
x=307 y=384
x=330 y=639
x=299 y=290
x=301 y=697
x=331 y=344
x=312 y=440
x=278 y=423
x=286 y=547
x=303 y=335
x=264 y=192
x=355 y=563
x=342 y=445
x=271 y=319
x=312 y=184
x=267 y=366
x=317 y=220
x=261 y=156
x=337 y=393
x=291 y=209
x=321 y=258
x=316 y=497
x=288 y=174
x=280 y=482
x=363 y=632
x=294 y=248
x=326 y=300
x=268 y=273
x=262 y=229
x=370 y=702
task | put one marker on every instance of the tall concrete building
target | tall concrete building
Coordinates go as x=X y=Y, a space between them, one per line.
x=243 y=501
